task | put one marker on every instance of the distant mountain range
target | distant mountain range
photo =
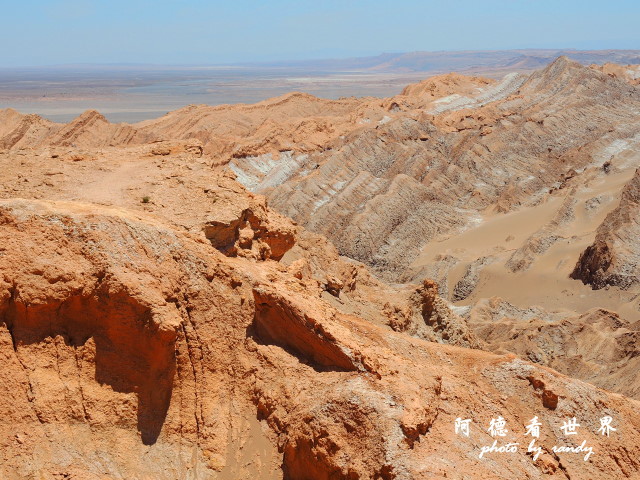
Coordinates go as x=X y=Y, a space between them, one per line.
x=445 y=61
x=439 y=62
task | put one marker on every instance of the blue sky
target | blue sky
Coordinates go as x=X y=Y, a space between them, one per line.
x=36 y=32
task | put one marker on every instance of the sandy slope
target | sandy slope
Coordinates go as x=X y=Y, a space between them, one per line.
x=545 y=281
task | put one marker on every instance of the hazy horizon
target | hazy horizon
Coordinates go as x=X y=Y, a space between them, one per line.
x=302 y=61
x=290 y=62
x=136 y=92
x=220 y=33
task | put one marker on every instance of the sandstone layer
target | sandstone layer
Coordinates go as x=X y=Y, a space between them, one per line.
x=310 y=288
x=135 y=350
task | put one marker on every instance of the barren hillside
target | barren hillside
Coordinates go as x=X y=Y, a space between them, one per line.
x=307 y=288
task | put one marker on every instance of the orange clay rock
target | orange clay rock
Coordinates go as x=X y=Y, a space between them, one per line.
x=627 y=73
x=242 y=224
x=132 y=349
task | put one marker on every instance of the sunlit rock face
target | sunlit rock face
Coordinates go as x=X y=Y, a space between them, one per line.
x=171 y=307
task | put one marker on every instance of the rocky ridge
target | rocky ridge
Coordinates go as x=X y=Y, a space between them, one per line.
x=168 y=357
x=614 y=257
x=149 y=293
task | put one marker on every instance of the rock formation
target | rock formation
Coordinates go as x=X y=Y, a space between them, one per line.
x=628 y=73
x=598 y=346
x=614 y=257
x=263 y=291
x=133 y=349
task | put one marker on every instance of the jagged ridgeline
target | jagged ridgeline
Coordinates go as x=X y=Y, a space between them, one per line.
x=310 y=288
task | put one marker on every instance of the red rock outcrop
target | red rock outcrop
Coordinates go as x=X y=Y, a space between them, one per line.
x=134 y=350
